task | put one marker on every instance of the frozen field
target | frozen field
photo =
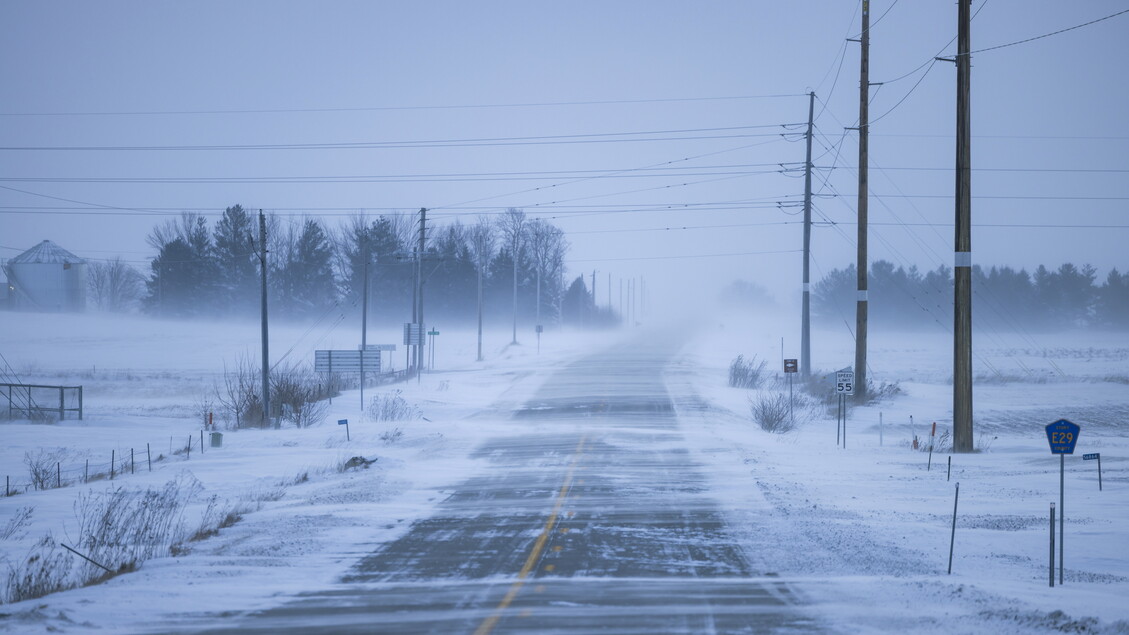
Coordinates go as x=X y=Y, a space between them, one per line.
x=862 y=532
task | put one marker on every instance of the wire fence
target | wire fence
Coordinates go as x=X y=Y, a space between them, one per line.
x=51 y=469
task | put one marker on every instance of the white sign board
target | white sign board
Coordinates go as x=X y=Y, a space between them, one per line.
x=844 y=382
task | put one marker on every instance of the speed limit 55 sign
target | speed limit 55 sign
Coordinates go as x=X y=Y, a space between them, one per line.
x=844 y=382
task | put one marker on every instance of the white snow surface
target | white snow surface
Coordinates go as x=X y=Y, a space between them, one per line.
x=862 y=532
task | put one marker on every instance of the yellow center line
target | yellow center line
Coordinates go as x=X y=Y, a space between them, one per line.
x=538 y=546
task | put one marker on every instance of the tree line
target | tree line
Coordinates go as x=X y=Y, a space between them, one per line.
x=512 y=263
x=1003 y=297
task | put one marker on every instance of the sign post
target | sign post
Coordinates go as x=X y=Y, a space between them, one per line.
x=433 y=332
x=1091 y=457
x=791 y=367
x=1062 y=436
x=844 y=385
x=344 y=422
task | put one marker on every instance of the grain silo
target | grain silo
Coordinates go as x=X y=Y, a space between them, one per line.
x=46 y=278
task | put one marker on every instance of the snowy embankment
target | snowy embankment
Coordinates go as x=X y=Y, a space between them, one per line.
x=862 y=531
x=865 y=531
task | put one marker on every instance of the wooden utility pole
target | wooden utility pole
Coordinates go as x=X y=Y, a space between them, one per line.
x=419 y=294
x=962 y=266
x=805 y=322
x=593 y=294
x=864 y=132
x=263 y=312
x=364 y=316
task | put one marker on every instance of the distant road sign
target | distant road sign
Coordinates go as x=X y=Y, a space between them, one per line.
x=413 y=334
x=1091 y=457
x=791 y=366
x=379 y=347
x=342 y=422
x=1062 y=436
x=346 y=361
x=845 y=382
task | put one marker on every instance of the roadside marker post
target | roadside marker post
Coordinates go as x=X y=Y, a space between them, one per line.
x=953 y=535
x=1062 y=436
x=1052 y=545
x=1091 y=457
x=932 y=436
x=344 y=422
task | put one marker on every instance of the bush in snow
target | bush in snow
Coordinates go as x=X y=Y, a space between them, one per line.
x=300 y=395
x=747 y=374
x=776 y=412
x=296 y=392
x=771 y=412
x=43 y=467
x=392 y=407
x=17 y=524
x=118 y=529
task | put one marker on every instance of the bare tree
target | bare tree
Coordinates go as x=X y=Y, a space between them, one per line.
x=481 y=241
x=546 y=247
x=114 y=285
x=512 y=225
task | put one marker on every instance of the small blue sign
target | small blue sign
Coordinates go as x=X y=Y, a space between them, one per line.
x=342 y=422
x=1063 y=436
x=1091 y=457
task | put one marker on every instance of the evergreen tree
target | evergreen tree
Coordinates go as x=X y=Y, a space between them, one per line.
x=1112 y=307
x=305 y=281
x=237 y=283
x=183 y=278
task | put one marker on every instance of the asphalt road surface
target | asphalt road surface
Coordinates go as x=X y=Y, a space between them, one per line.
x=595 y=519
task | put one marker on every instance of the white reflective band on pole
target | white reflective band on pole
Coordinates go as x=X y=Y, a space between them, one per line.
x=963 y=259
x=862 y=296
x=807 y=287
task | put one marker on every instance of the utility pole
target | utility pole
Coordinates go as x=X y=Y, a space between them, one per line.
x=364 y=317
x=479 y=311
x=805 y=322
x=593 y=294
x=263 y=311
x=864 y=133
x=419 y=295
x=962 y=269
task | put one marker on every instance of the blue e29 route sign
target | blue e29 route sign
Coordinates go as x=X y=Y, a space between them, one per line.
x=1063 y=436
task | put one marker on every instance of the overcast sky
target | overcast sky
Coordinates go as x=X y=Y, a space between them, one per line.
x=617 y=120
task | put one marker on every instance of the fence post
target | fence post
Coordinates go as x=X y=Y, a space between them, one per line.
x=58 y=474
x=7 y=485
x=188 y=450
x=80 y=403
x=201 y=442
x=132 y=463
x=112 y=459
x=86 y=472
x=149 y=455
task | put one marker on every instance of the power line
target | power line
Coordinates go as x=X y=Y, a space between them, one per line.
x=392 y=108
x=686 y=256
x=1046 y=35
x=600 y=137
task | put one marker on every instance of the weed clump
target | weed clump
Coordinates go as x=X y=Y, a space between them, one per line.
x=747 y=374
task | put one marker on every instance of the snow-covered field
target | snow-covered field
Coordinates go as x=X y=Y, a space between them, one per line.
x=864 y=532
